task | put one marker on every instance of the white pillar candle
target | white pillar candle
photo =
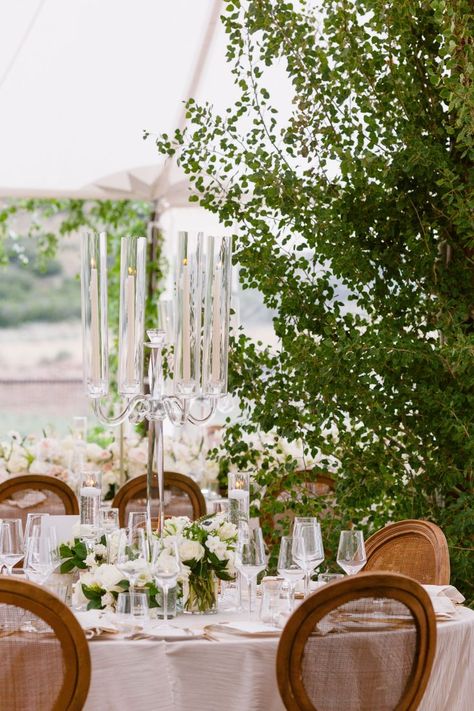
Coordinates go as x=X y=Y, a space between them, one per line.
x=89 y=491
x=95 y=338
x=130 y=305
x=186 y=323
x=216 y=327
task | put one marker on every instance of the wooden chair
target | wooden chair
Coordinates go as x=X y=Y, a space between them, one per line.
x=185 y=497
x=60 y=498
x=363 y=643
x=413 y=547
x=43 y=669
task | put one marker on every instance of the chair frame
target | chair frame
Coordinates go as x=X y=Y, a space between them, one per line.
x=41 y=482
x=56 y=614
x=424 y=529
x=302 y=622
x=137 y=487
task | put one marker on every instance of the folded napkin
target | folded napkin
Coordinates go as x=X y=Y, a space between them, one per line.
x=95 y=623
x=245 y=628
x=444 y=608
x=449 y=591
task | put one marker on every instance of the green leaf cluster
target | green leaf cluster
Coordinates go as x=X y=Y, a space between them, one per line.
x=354 y=218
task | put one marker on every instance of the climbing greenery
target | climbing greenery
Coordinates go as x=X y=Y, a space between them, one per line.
x=353 y=217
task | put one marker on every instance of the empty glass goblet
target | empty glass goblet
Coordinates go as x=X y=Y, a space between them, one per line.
x=351 y=552
x=291 y=551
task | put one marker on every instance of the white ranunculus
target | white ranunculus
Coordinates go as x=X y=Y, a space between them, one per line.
x=218 y=547
x=144 y=577
x=100 y=549
x=191 y=550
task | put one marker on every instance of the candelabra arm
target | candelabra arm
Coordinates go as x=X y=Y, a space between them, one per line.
x=113 y=421
x=201 y=420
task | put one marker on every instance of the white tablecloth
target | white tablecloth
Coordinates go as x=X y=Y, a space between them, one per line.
x=238 y=673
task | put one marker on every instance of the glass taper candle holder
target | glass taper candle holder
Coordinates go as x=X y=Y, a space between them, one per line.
x=94 y=313
x=187 y=345
x=239 y=497
x=216 y=316
x=132 y=315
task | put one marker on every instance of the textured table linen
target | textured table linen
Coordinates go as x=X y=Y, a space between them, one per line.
x=238 y=673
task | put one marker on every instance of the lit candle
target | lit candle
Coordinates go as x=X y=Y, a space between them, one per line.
x=216 y=327
x=186 y=323
x=130 y=306
x=95 y=338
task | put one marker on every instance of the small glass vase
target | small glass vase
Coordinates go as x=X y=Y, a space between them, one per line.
x=202 y=595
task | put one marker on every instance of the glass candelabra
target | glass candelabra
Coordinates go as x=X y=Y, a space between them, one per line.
x=200 y=317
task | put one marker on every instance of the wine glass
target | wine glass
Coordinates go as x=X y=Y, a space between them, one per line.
x=291 y=549
x=311 y=554
x=351 y=552
x=166 y=566
x=11 y=543
x=108 y=519
x=41 y=555
x=250 y=557
x=34 y=520
x=132 y=554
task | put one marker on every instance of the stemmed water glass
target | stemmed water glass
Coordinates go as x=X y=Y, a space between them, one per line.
x=291 y=550
x=351 y=552
x=41 y=555
x=165 y=566
x=132 y=554
x=11 y=543
x=311 y=554
x=250 y=558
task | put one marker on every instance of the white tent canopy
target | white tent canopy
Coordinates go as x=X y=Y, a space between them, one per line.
x=81 y=79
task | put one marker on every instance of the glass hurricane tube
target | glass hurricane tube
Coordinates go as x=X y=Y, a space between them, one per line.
x=187 y=346
x=94 y=313
x=132 y=315
x=218 y=286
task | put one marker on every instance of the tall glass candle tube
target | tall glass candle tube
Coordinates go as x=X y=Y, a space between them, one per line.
x=239 y=497
x=216 y=315
x=94 y=313
x=132 y=315
x=187 y=346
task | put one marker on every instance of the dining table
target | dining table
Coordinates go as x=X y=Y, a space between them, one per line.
x=227 y=661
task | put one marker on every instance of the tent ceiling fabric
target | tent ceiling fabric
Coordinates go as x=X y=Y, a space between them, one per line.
x=79 y=81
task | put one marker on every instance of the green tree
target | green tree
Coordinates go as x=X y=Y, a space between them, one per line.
x=354 y=220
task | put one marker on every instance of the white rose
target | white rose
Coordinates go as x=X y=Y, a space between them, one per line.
x=39 y=467
x=175 y=525
x=100 y=550
x=107 y=600
x=78 y=597
x=216 y=546
x=108 y=576
x=94 y=452
x=227 y=530
x=90 y=560
x=17 y=463
x=144 y=577
x=191 y=550
x=138 y=455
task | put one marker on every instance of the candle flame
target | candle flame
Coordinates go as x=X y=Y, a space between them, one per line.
x=132 y=271
x=185 y=262
x=93 y=263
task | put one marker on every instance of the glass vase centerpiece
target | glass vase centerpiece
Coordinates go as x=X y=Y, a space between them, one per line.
x=207 y=554
x=199 y=343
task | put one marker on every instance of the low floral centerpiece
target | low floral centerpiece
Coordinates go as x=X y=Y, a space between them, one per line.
x=206 y=549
